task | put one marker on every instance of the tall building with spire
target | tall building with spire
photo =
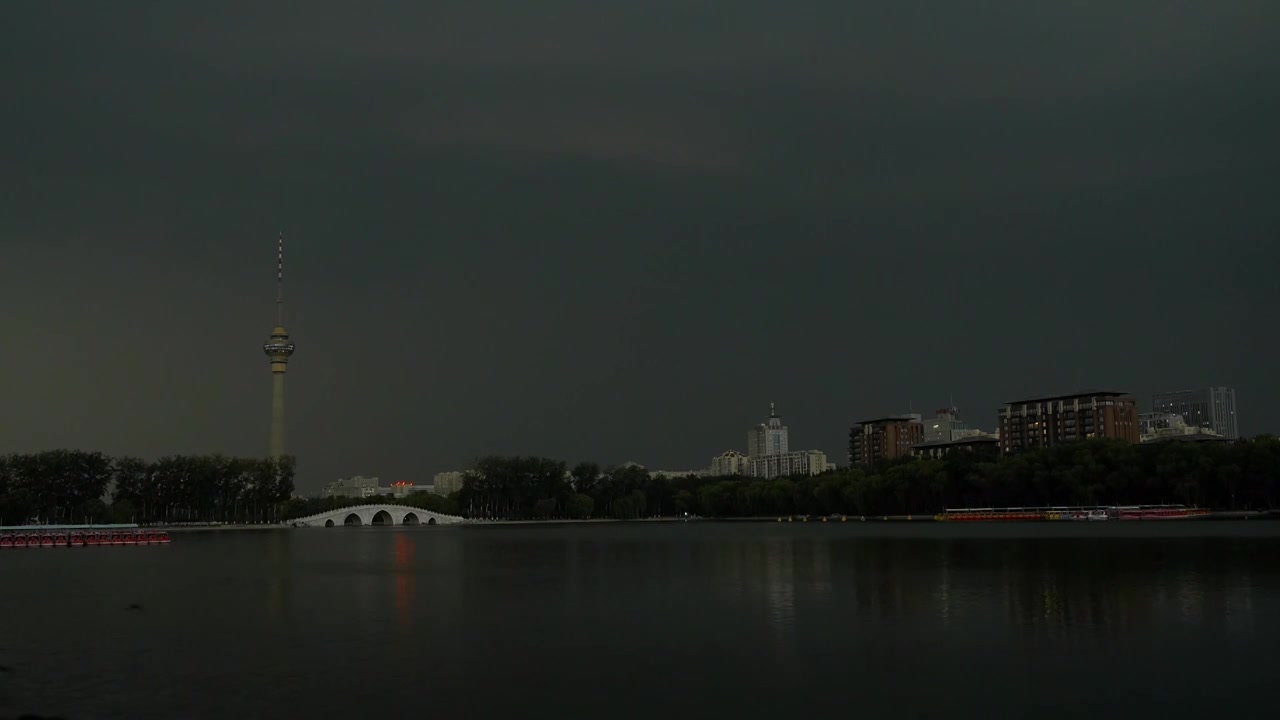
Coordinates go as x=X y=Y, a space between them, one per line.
x=767 y=438
x=278 y=349
x=769 y=455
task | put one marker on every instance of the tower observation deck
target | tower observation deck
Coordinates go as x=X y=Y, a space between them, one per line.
x=278 y=349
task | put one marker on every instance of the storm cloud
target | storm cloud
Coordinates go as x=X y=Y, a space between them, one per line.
x=617 y=231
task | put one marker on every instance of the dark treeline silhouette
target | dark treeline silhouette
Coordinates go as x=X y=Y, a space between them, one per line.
x=66 y=486
x=532 y=487
x=73 y=486
x=1228 y=476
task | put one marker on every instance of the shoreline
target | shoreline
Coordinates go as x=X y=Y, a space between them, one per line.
x=1222 y=516
x=229 y=527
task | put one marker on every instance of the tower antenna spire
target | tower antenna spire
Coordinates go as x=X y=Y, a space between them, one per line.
x=280 y=280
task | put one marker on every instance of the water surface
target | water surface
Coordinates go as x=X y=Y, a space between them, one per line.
x=1173 y=620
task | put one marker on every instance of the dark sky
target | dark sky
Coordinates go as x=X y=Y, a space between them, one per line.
x=618 y=230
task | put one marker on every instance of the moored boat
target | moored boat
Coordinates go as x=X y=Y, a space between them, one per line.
x=1085 y=513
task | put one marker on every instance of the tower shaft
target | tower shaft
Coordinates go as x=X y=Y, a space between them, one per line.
x=277 y=415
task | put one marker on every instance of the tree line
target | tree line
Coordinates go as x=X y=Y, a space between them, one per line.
x=69 y=486
x=1227 y=476
x=74 y=486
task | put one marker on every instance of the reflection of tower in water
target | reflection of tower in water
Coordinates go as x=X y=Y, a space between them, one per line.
x=278 y=574
x=404 y=567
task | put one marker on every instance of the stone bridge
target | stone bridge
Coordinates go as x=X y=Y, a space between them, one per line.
x=376 y=515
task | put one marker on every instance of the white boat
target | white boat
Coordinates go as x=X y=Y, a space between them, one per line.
x=1097 y=515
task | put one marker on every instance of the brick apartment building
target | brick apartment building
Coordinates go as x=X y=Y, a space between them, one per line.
x=1049 y=421
x=888 y=438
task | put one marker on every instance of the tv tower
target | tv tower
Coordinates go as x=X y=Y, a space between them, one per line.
x=278 y=348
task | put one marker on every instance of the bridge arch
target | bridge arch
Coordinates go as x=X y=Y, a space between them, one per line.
x=385 y=514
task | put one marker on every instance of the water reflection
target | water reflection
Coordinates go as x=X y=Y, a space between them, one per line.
x=772 y=574
x=1057 y=588
x=797 y=586
x=748 y=619
x=1053 y=587
x=404 y=578
x=1062 y=588
x=278 y=574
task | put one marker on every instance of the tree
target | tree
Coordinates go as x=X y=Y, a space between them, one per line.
x=579 y=506
x=630 y=506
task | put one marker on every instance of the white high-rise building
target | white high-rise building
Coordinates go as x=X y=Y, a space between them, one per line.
x=768 y=455
x=353 y=487
x=946 y=426
x=767 y=438
x=730 y=462
x=787 y=464
x=942 y=427
x=447 y=483
x=1213 y=408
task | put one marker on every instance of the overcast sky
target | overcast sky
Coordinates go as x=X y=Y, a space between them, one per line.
x=618 y=230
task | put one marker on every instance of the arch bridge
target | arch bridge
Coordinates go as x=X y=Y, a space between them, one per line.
x=379 y=514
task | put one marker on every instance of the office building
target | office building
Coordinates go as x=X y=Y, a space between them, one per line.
x=1213 y=408
x=1060 y=419
x=889 y=438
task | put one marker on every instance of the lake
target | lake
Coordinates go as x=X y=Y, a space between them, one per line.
x=735 y=620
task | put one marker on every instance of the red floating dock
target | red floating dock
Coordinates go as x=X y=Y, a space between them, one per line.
x=84 y=536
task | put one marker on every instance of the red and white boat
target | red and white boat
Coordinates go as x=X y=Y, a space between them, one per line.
x=1091 y=513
